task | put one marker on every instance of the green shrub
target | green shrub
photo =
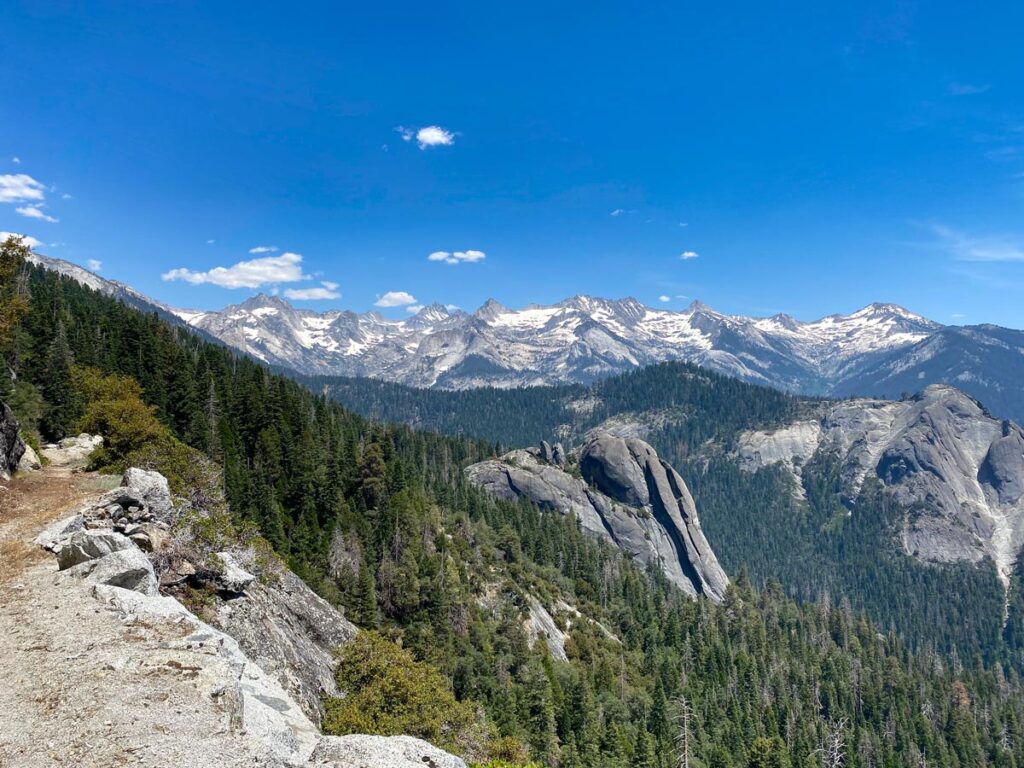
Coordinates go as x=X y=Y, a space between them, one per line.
x=388 y=692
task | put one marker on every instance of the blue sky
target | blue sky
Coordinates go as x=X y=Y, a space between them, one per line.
x=815 y=158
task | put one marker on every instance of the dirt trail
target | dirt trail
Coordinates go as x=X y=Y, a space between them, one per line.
x=81 y=686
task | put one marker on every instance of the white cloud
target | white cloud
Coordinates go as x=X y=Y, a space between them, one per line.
x=94 y=264
x=28 y=240
x=617 y=212
x=457 y=257
x=264 y=249
x=395 y=299
x=328 y=290
x=16 y=160
x=965 y=247
x=413 y=308
x=65 y=196
x=684 y=223
x=452 y=307
x=663 y=298
x=36 y=212
x=687 y=255
x=967 y=89
x=286 y=268
x=211 y=241
x=20 y=188
x=428 y=136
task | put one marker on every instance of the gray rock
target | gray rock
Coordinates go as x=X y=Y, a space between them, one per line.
x=72 y=451
x=633 y=500
x=545 y=451
x=558 y=455
x=292 y=633
x=125 y=568
x=360 y=751
x=540 y=624
x=60 y=531
x=257 y=705
x=149 y=537
x=150 y=489
x=939 y=454
x=29 y=460
x=89 y=545
x=233 y=578
x=11 y=445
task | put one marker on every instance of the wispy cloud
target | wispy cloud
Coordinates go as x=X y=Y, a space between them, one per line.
x=617 y=212
x=36 y=212
x=967 y=89
x=264 y=249
x=457 y=257
x=395 y=299
x=16 y=160
x=94 y=264
x=326 y=290
x=20 y=188
x=966 y=247
x=286 y=268
x=687 y=255
x=412 y=309
x=427 y=136
x=664 y=299
x=28 y=240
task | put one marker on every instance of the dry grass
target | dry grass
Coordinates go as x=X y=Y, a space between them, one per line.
x=29 y=504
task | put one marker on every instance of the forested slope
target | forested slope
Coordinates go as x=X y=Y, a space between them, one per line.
x=379 y=520
x=814 y=541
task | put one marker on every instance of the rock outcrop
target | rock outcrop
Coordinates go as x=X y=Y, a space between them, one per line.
x=71 y=451
x=263 y=667
x=628 y=496
x=940 y=452
x=360 y=751
x=11 y=445
x=291 y=632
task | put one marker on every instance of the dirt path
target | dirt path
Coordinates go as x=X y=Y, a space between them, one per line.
x=81 y=686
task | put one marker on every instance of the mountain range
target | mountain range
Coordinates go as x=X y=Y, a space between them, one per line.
x=880 y=350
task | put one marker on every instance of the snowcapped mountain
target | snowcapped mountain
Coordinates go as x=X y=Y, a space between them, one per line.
x=579 y=339
x=880 y=350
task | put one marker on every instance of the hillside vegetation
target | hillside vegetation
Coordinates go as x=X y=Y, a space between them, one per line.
x=379 y=520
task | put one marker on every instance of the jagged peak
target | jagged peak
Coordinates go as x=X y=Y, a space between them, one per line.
x=264 y=300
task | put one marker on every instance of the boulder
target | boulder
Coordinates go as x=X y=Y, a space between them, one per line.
x=150 y=488
x=125 y=568
x=29 y=460
x=149 y=537
x=361 y=751
x=545 y=451
x=58 y=532
x=233 y=578
x=179 y=573
x=11 y=445
x=558 y=455
x=89 y=545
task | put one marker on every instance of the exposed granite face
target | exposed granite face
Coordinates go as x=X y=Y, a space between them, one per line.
x=628 y=496
x=292 y=633
x=940 y=452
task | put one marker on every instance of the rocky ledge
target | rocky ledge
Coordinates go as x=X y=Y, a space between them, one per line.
x=262 y=659
x=625 y=494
